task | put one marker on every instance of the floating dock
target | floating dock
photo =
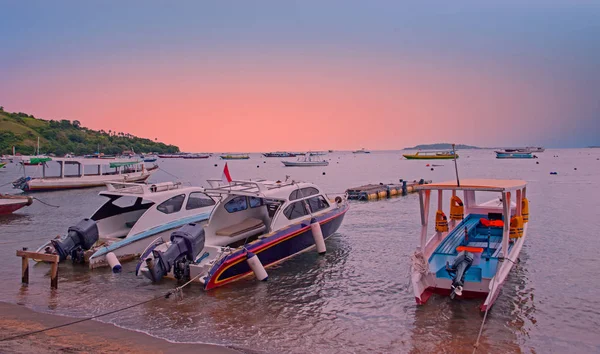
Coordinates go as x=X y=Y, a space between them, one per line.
x=383 y=191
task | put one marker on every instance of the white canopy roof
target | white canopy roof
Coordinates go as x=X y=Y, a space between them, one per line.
x=491 y=185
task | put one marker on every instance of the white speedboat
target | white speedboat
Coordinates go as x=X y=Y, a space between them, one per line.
x=89 y=173
x=255 y=224
x=306 y=161
x=471 y=255
x=133 y=216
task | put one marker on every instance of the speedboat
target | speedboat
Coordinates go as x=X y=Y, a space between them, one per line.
x=133 y=216
x=306 y=161
x=89 y=173
x=255 y=225
x=150 y=158
x=473 y=254
x=431 y=155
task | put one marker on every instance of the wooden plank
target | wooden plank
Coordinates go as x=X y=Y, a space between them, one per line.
x=25 y=270
x=54 y=275
x=39 y=256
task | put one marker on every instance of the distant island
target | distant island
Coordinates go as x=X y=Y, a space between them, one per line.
x=61 y=137
x=441 y=146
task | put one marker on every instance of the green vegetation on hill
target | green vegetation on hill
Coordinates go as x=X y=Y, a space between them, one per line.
x=63 y=137
x=441 y=146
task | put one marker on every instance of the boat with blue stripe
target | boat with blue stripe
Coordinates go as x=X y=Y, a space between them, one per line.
x=473 y=251
x=133 y=217
x=514 y=155
x=255 y=225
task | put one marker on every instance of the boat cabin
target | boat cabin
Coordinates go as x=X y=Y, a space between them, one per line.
x=133 y=208
x=248 y=209
x=75 y=167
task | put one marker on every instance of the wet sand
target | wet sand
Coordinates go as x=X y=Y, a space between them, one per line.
x=89 y=336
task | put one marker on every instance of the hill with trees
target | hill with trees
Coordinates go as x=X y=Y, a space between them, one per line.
x=62 y=137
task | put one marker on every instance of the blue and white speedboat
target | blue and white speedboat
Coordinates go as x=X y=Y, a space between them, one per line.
x=134 y=216
x=514 y=154
x=255 y=225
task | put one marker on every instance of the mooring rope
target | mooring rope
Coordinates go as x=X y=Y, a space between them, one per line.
x=43 y=202
x=476 y=345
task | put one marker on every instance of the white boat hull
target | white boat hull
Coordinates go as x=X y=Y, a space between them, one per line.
x=47 y=184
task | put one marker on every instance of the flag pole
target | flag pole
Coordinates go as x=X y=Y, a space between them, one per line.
x=455 y=165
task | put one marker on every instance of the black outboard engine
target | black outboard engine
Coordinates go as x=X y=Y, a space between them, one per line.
x=80 y=238
x=186 y=244
x=459 y=268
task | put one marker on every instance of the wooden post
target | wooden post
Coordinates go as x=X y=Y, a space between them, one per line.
x=54 y=276
x=52 y=258
x=25 y=269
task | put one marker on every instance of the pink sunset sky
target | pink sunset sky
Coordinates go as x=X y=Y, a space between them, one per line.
x=223 y=89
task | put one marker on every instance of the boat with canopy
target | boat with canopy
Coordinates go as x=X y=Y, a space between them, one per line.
x=306 y=161
x=69 y=173
x=472 y=254
x=431 y=155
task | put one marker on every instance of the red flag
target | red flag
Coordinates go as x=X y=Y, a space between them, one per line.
x=226 y=177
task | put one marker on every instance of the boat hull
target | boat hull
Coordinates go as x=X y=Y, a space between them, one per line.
x=8 y=208
x=53 y=184
x=273 y=249
x=513 y=155
x=424 y=157
x=304 y=164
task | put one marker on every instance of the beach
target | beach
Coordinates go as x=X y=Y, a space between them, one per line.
x=89 y=336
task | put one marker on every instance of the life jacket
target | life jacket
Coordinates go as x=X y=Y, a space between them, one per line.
x=525 y=209
x=457 y=209
x=516 y=227
x=491 y=223
x=441 y=222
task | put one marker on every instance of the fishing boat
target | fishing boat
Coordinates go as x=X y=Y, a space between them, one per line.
x=85 y=173
x=255 y=225
x=317 y=153
x=11 y=203
x=531 y=149
x=306 y=161
x=431 y=155
x=513 y=155
x=280 y=154
x=133 y=217
x=235 y=157
x=196 y=156
x=150 y=158
x=361 y=151
x=472 y=255
x=170 y=156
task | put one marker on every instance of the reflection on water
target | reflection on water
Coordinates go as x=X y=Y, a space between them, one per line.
x=357 y=297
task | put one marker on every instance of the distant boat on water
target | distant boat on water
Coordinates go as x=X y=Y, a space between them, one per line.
x=431 y=155
x=280 y=154
x=317 y=153
x=235 y=157
x=306 y=161
x=526 y=149
x=513 y=155
x=361 y=151
x=196 y=156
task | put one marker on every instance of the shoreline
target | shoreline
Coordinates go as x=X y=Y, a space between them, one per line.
x=89 y=336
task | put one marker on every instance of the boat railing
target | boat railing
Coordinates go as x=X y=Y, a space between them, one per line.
x=242 y=187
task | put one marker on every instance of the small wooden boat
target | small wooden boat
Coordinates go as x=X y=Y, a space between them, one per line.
x=255 y=225
x=235 y=157
x=10 y=203
x=195 y=156
x=431 y=155
x=280 y=154
x=506 y=154
x=473 y=254
x=305 y=161
x=89 y=173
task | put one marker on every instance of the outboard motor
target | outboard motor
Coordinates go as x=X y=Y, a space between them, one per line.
x=459 y=268
x=186 y=244
x=80 y=238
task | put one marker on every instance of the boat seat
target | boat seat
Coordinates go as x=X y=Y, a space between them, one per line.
x=248 y=227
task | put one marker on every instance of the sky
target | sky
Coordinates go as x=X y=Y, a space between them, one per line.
x=309 y=75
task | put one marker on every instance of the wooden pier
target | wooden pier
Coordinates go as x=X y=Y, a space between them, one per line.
x=383 y=191
x=52 y=258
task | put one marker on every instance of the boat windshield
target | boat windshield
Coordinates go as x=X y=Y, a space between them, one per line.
x=119 y=214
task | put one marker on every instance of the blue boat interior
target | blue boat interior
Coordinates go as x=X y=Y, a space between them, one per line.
x=487 y=238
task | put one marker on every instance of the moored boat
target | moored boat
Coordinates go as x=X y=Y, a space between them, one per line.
x=11 y=203
x=306 y=161
x=196 y=156
x=104 y=171
x=431 y=155
x=361 y=151
x=133 y=216
x=513 y=155
x=280 y=154
x=235 y=157
x=256 y=224
x=150 y=158
x=472 y=255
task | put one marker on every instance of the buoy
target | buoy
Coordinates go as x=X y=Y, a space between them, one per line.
x=537 y=162
x=318 y=236
x=553 y=173
x=432 y=168
x=323 y=173
x=264 y=161
x=256 y=266
x=215 y=165
x=575 y=168
x=427 y=165
x=113 y=262
x=257 y=166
